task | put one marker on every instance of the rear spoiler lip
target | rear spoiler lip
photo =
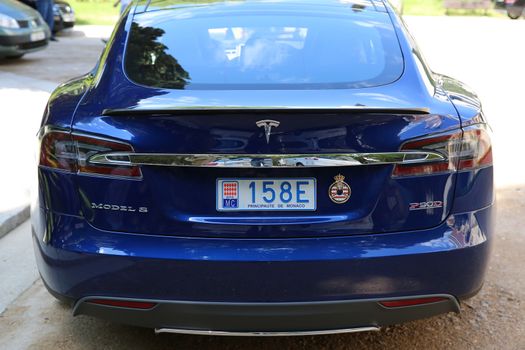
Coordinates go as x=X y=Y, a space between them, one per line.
x=259 y=110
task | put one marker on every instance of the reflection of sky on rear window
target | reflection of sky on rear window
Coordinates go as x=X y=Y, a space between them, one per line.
x=232 y=45
x=273 y=47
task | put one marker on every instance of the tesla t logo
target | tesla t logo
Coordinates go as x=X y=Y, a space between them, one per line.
x=267 y=124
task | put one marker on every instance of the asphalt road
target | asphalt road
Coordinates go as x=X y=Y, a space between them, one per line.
x=487 y=53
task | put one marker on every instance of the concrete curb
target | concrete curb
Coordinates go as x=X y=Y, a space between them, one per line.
x=15 y=90
x=25 y=94
x=12 y=219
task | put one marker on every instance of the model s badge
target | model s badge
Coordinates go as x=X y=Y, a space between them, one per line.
x=114 y=207
x=267 y=124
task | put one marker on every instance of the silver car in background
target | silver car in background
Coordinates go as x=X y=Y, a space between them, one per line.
x=22 y=30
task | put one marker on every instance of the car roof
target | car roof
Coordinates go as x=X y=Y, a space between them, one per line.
x=324 y=5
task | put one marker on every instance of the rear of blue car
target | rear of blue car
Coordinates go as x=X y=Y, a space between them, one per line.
x=286 y=168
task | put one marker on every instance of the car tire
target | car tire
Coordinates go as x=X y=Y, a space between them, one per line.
x=15 y=57
x=514 y=12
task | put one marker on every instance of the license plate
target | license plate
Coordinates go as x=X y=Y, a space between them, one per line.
x=266 y=194
x=37 y=36
x=68 y=17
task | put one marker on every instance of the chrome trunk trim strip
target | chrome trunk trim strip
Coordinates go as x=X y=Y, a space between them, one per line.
x=265 y=160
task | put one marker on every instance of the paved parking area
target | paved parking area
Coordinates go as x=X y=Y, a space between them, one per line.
x=487 y=53
x=74 y=54
x=25 y=87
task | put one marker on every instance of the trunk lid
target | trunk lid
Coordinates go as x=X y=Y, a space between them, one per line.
x=182 y=201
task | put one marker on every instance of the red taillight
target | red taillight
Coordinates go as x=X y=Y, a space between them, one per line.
x=463 y=150
x=476 y=150
x=142 y=305
x=71 y=152
x=411 y=302
x=58 y=151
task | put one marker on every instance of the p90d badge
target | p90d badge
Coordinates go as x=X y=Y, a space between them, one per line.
x=425 y=205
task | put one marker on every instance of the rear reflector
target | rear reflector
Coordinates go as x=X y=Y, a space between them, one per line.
x=71 y=152
x=411 y=302
x=464 y=150
x=143 y=305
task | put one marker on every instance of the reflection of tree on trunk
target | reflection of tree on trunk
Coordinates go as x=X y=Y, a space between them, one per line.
x=149 y=64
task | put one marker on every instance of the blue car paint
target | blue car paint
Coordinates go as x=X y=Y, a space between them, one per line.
x=83 y=261
x=178 y=135
x=301 y=260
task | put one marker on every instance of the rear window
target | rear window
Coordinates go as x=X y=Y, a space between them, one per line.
x=229 y=50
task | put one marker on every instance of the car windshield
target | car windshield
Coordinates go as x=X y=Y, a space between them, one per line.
x=188 y=49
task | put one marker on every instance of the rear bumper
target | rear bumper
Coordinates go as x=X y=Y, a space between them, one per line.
x=266 y=318
x=199 y=277
x=61 y=23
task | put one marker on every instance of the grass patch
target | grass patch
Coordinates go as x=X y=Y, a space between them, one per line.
x=424 y=7
x=102 y=12
x=95 y=11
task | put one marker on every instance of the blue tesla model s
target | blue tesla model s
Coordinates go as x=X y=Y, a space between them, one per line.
x=263 y=167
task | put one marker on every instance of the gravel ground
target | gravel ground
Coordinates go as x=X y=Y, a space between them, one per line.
x=493 y=319
x=481 y=51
